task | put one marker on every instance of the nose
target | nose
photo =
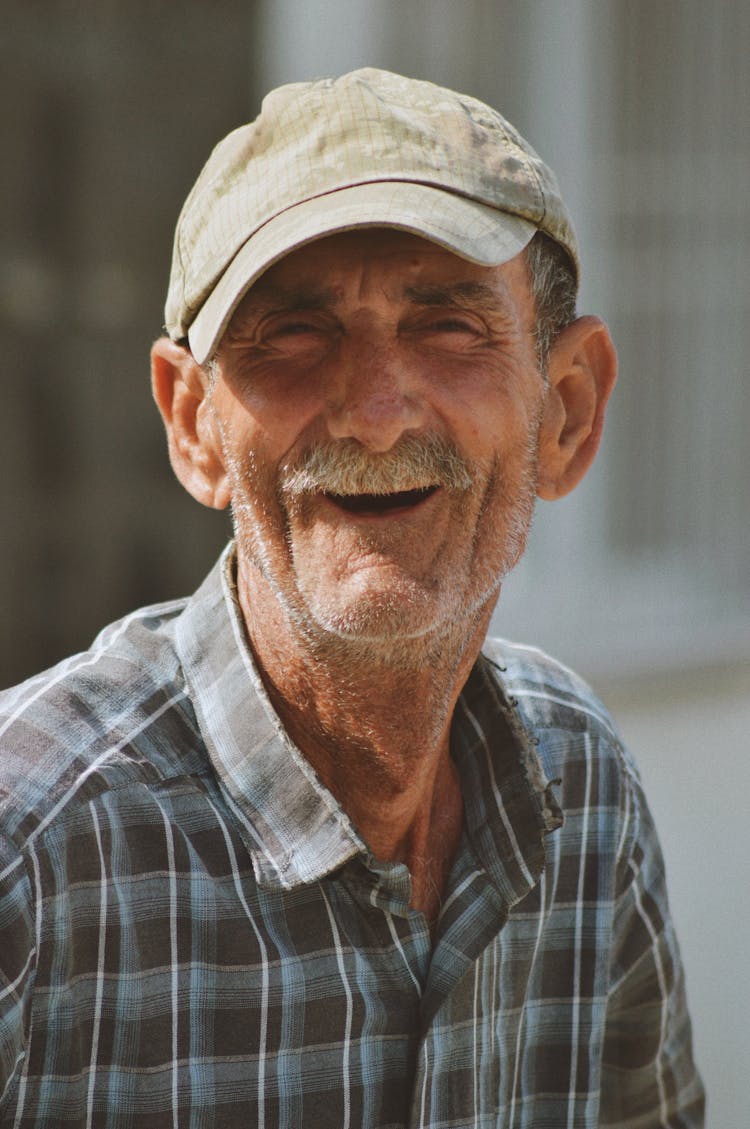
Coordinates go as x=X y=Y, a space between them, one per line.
x=375 y=397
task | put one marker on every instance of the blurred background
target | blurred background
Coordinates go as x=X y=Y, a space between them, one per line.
x=641 y=579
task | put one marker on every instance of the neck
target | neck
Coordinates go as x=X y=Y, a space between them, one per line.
x=375 y=725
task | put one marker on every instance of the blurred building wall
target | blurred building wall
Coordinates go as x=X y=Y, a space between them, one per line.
x=641 y=579
x=107 y=113
x=690 y=734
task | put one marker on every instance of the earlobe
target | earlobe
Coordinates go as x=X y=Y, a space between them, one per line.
x=181 y=394
x=582 y=372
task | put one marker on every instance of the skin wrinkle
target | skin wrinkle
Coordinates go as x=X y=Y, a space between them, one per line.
x=335 y=642
x=337 y=466
x=519 y=510
x=341 y=652
x=552 y=279
x=267 y=299
x=400 y=655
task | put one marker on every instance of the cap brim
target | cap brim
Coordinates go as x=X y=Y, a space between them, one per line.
x=475 y=231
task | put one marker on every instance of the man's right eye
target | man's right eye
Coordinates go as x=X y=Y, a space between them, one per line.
x=298 y=336
x=294 y=328
x=287 y=326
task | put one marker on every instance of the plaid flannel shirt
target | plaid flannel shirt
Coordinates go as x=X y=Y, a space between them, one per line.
x=192 y=933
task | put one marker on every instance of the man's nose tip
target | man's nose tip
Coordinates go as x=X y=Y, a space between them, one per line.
x=378 y=419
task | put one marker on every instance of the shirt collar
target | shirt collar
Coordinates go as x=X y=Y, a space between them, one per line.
x=508 y=802
x=292 y=825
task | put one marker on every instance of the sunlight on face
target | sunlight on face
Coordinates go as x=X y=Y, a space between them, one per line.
x=379 y=403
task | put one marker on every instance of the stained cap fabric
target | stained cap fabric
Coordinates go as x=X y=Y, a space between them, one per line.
x=368 y=149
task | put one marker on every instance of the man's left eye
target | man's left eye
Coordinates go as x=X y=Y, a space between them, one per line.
x=295 y=328
x=453 y=326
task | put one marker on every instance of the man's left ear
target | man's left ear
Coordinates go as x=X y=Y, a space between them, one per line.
x=582 y=369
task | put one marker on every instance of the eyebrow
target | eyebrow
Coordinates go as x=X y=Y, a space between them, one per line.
x=477 y=294
x=313 y=297
x=269 y=296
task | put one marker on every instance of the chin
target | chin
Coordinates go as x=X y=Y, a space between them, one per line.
x=377 y=617
x=400 y=629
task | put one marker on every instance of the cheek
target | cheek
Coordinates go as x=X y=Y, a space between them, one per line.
x=496 y=440
x=274 y=404
x=255 y=444
x=493 y=409
x=251 y=464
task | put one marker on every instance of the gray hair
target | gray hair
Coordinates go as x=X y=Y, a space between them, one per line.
x=554 y=288
x=211 y=369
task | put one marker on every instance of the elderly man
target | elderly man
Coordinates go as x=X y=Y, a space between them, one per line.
x=307 y=849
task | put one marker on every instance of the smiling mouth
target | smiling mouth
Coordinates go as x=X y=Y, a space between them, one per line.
x=374 y=504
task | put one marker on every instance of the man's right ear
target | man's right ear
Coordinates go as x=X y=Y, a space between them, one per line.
x=180 y=388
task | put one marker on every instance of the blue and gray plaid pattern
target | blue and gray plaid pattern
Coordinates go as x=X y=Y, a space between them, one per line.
x=193 y=934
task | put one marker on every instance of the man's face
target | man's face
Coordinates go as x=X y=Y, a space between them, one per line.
x=420 y=369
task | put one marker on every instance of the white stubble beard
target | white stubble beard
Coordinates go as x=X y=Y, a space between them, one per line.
x=350 y=637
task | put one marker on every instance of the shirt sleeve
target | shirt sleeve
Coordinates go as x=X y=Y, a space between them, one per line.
x=17 y=962
x=649 y=1079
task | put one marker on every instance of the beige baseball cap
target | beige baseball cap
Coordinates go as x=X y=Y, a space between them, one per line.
x=369 y=149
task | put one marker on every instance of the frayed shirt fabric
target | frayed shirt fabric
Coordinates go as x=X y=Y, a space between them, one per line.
x=192 y=933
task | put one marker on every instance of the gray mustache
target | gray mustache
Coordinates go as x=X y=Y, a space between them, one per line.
x=344 y=466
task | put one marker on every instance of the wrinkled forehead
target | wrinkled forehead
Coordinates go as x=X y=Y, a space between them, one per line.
x=383 y=264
